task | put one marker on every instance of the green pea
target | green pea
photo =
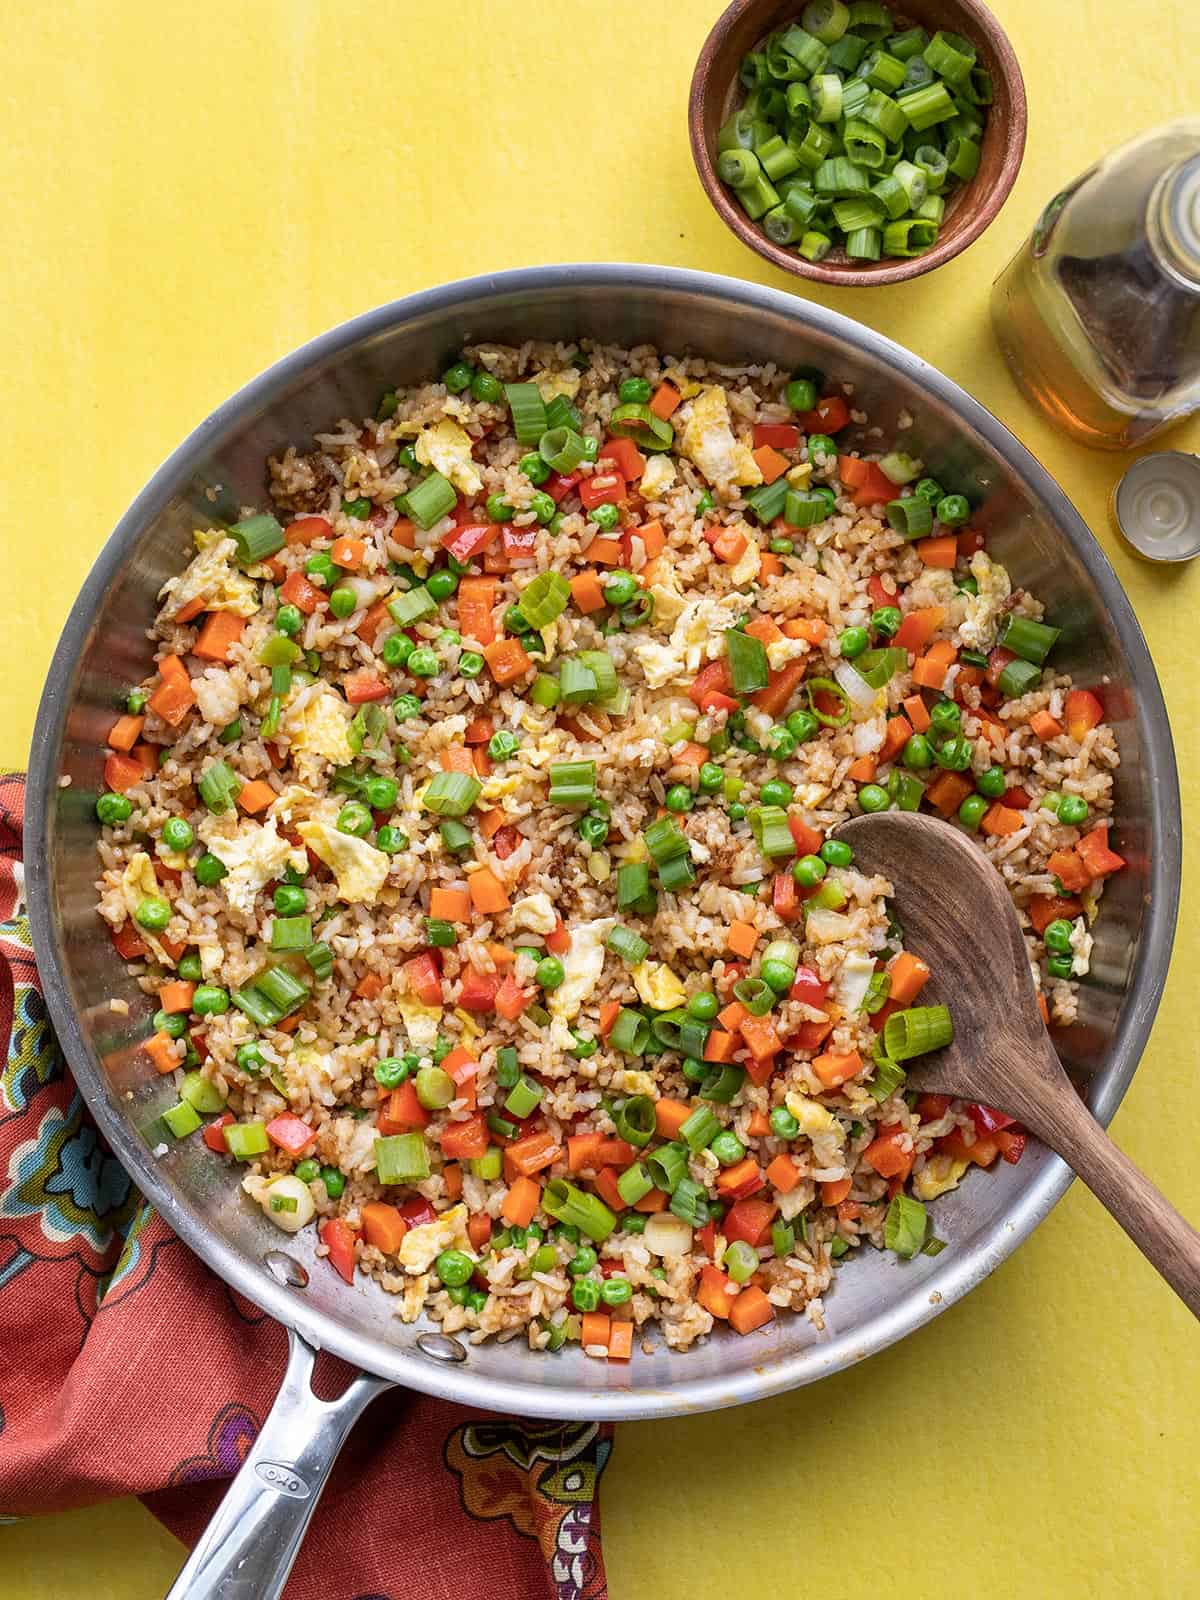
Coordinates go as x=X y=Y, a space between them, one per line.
x=801 y=394
x=355 y=819
x=605 y=516
x=582 y=1261
x=534 y=467
x=251 y=1059
x=616 y=1291
x=454 y=1268
x=289 y=900
x=545 y=1258
x=886 y=621
x=680 y=798
x=391 y=840
x=585 y=1294
x=620 y=588
x=1060 y=967
x=836 y=853
x=809 y=871
x=821 y=446
x=397 y=648
x=188 y=967
x=968 y=584
x=953 y=510
x=498 y=509
x=781 y=547
x=972 y=811
x=737 y=812
x=177 y=834
x=343 y=602
x=781 y=742
x=135 y=702
x=992 y=782
x=407 y=458
x=703 y=1005
x=783 y=1123
x=470 y=664
x=112 y=809
x=308 y=1170
x=728 y=1148
x=486 y=389
x=872 y=798
x=458 y=377
x=321 y=566
x=777 y=975
x=381 y=793
x=359 y=509
x=172 y=1023
x=705 y=504
x=289 y=620
x=853 y=642
x=565 y=1232
x=592 y=830
x=917 y=753
x=1072 y=809
x=449 y=636
x=929 y=489
x=441 y=584
x=543 y=507
x=334 y=1181
x=502 y=744
x=710 y=777
x=1057 y=937
x=152 y=913
x=210 y=1000
x=775 y=793
x=405 y=707
x=801 y=725
x=515 y=621
x=945 y=717
x=549 y=972
x=634 y=392
x=954 y=755
x=423 y=663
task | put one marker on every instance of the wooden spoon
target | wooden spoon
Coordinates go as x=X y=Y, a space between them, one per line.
x=954 y=906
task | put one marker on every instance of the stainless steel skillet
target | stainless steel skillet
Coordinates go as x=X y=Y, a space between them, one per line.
x=1031 y=527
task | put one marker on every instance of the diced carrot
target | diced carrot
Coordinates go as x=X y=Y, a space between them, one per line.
x=587 y=593
x=620 y=1341
x=221 y=630
x=376 y=618
x=653 y=539
x=774 y=698
x=835 y=1191
x=741 y=938
x=1044 y=1009
x=479 y=730
x=297 y=591
x=769 y=566
x=731 y=1017
x=741 y=1180
x=276 y=570
x=896 y=735
x=888 y=1155
x=160 y=1047
x=1093 y=850
x=665 y=400
x=582 y=1152
x=605 y=1184
x=730 y=545
x=783 y=1173
x=307 y=531
x=918 y=628
x=670 y=1116
x=785 y=897
x=720 y=1046
x=713 y=1292
x=256 y=796
x=558 y=940
x=176 y=996
x=369 y=987
x=1045 y=726
x=521 y=1202
x=383 y=1226
x=692 y=755
x=452 y=1181
x=479 y=1229
x=947 y=792
x=811 y=629
x=476 y=602
x=190 y=611
x=862 y=770
x=917 y=713
x=623 y=456
x=939 y=552
x=507 y=660
x=759 y=1034
x=348 y=553
x=765 y=629
x=604 y=552
x=931 y=669
x=653 y=1201
x=770 y=462
x=909 y=975
x=750 y=1310
x=450 y=905
x=457 y=759
x=146 y=755
x=403 y=1112
x=125 y=733
x=594 y=1329
x=1083 y=712
x=1047 y=908
x=174 y=697
x=404 y=533
x=1070 y=870
x=759 y=1126
x=533 y=1152
x=466 y=1140
x=609 y=1012
x=1000 y=820
x=834 y=1069
x=488 y=894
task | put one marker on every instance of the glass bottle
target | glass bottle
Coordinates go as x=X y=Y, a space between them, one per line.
x=1098 y=313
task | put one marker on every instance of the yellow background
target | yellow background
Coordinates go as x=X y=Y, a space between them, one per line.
x=192 y=188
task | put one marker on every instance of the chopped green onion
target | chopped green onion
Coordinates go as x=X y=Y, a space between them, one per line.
x=562 y=449
x=667 y=1166
x=633 y=889
x=643 y=426
x=291 y=933
x=665 y=841
x=245 y=1140
x=628 y=945
x=401 y=1158
x=635 y=1121
x=689 y=1202
x=544 y=599
x=572 y=784
x=528 y=411
x=767 y=501
x=320 y=958
x=634 y=1184
x=700 y=1129
x=904 y=1226
x=565 y=1203
x=451 y=794
x=912 y=516
x=630 y=1032
x=219 y=787
x=1030 y=640
x=1018 y=678
x=757 y=997
x=523 y=1098
x=748 y=666
x=258 y=538
x=431 y=499
x=413 y=605
x=722 y=1083
x=889 y=1076
x=917 y=1031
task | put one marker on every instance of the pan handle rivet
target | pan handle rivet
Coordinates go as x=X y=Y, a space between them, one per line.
x=286 y=1269
x=441 y=1347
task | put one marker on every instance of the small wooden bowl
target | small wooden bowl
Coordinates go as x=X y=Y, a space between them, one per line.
x=716 y=93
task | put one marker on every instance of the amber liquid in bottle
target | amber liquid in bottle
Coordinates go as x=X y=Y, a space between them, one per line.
x=1098 y=314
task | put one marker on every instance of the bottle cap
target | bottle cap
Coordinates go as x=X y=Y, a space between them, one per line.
x=1156 y=506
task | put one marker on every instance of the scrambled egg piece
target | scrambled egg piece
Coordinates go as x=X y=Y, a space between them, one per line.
x=632 y=1080
x=983 y=609
x=421 y=1021
x=813 y=1117
x=582 y=966
x=938 y=1176
x=447 y=448
x=550 y=639
x=658 y=986
x=745 y=568
x=211 y=577
x=669 y=599
x=709 y=443
x=421 y=1246
x=853 y=981
x=658 y=477
x=566 y=382
x=781 y=651
x=137 y=883
x=535 y=912
x=320 y=726
x=359 y=868
x=698 y=635
x=1081 y=948
x=799 y=475
x=295 y=801
x=253 y=855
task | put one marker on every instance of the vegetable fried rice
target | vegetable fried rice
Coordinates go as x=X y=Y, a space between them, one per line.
x=473 y=836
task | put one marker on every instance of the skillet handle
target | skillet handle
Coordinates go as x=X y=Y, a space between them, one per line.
x=248 y=1548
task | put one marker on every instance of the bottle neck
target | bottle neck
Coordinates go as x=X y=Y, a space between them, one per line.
x=1173 y=222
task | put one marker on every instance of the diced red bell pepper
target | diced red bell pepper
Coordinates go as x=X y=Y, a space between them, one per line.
x=988 y=1120
x=932 y=1107
x=297 y=591
x=364 y=686
x=511 y=999
x=1012 y=1142
x=214 y=1133
x=559 y=485
x=402 y=1112
x=706 y=1238
x=749 y=1220
x=479 y=990
x=812 y=1035
x=712 y=679
x=1095 y=854
x=624 y=456
x=879 y=594
x=518 y=544
x=808 y=841
x=417 y=1211
x=779 y=435
x=887 y=1155
x=998 y=659
x=505 y=841
x=829 y=415
x=338 y=1237
x=128 y=942
x=1082 y=712
x=807 y=986
x=785 y=898
x=425 y=978
x=970 y=540
x=290 y=1133
x=470 y=539
x=602 y=488
x=1017 y=797
x=982 y=1152
x=465 y=1141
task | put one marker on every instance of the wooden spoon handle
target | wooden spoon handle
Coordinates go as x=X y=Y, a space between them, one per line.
x=1169 y=1243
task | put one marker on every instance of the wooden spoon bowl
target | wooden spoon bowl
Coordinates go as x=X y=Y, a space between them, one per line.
x=958 y=916
x=716 y=93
